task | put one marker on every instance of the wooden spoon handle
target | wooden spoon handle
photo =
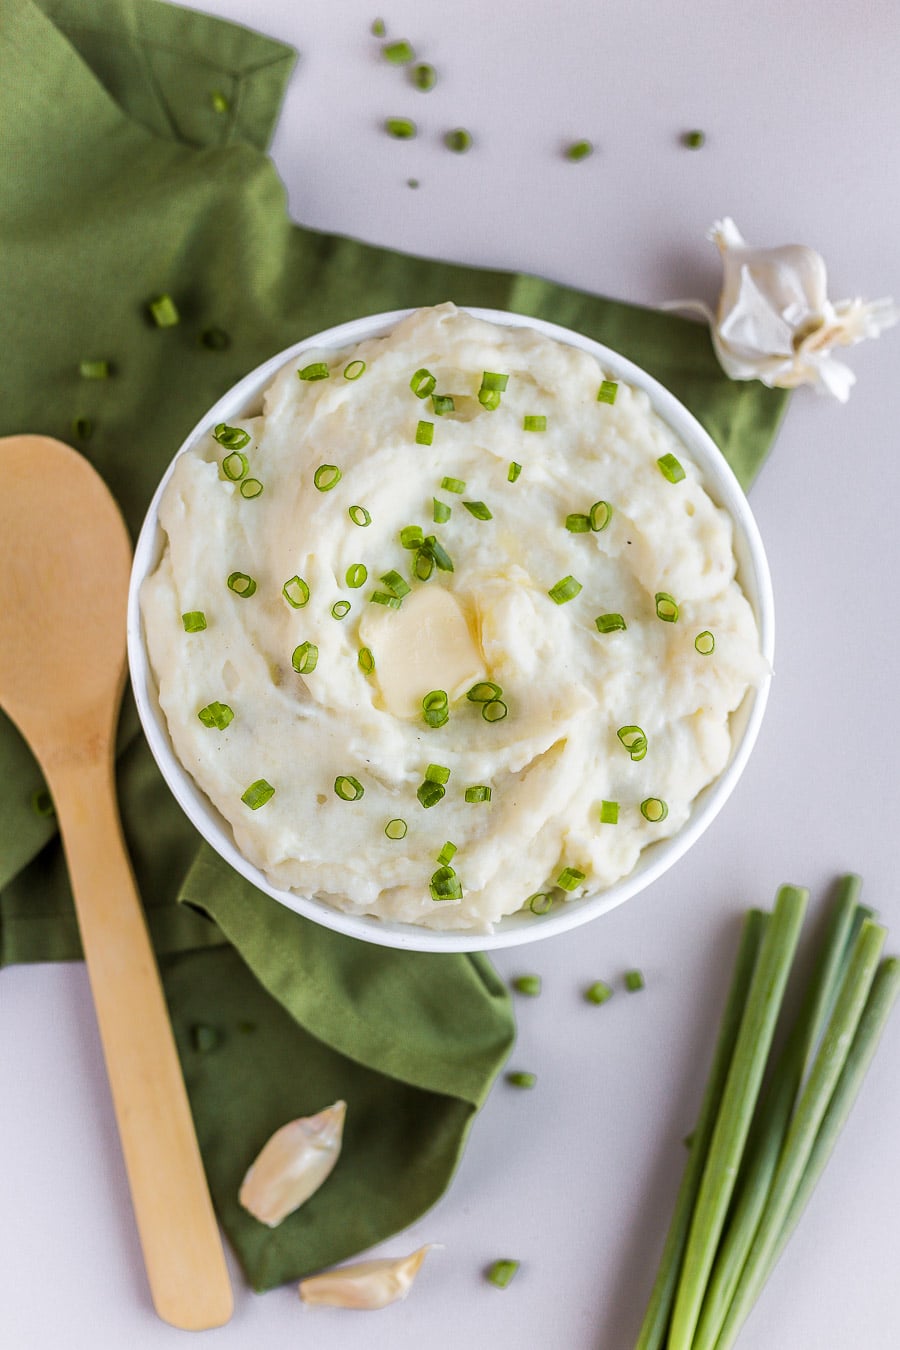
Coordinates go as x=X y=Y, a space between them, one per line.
x=182 y=1248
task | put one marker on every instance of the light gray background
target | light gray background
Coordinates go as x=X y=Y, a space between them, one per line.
x=800 y=105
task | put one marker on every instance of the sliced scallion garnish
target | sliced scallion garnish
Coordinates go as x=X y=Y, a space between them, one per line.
x=670 y=468
x=494 y=711
x=565 y=589
x=194 y=621
x=296 y=592
x=437 y=773
x=398 y=53
x=423 y=383
x=354 y=369
x=396 y=828
x=634 y=980
x=442 y=512
x=599 y=992
x=402 y=128
x=666 y=608
x=529 y=985
x=610 y=623
x=429 y=793
x=609 y=813
x=235 y=466
x=241 y=584
x=534 y=422
x=327 y=476
x=456 y=485
x=378 y=28
x=442 y=404
x=356 y=575
x=693 y=140
x=445 y=884
x=570 y=878
x=458 y=140
x=423 y=565
x=441 y=557
x=600 y=516
x=654 y=809
x=424 y=433
x=634 y=741
x=540 y=903
x=232 y=438
x=348 y=788
x=94 y=370
x=257 y=794
x=578 y=523
x=164 y=311
x=447 y=853
x=514 y=471
x=478 y=792
x=478 y=510
x=411 y=536
x=483 y=692
x=435 y=708
x=579 y=150
x=393 y=582
x=340 y=609
x=705 y=643
x=493 y=379
x=359 y=515
x=305 y=658
x=489 y=398
x=250 y=488
x=217 y=715
x=316 y=370
x=424 y=76
x=607 y=392
x=521 y=1079
x=501 y=1272
x=366 y=660
x=384 y=598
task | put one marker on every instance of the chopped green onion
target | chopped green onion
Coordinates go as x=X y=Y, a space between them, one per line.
x=570 y=878
x=94 y=370
x=442 y=404
x=520 y=1079
x=305 y=658
x=654 y=809
x=366 y=660
x=578 y=523
x=356 y=575
x=534 y=422
x=422 y=383
x=607 y=392
x=489 y=398
x=232 y=438
x=423 y=565
x=164 y=311
x=353 y=370
x=458 y=140
x=495 y=711
x=670 y=468
x=478 y=510
x=42 y=803
x=316 y=370
x=598 y=992
x=412 y=182
x=378 y=29
x=296 y=592
x=514 y=471
x=579 y=150
x=359 y=515
x=527 y=984
x=83 y=428
x=479 y=792
x=483 y=692
x=442 y=512
x=215 y=339
x=423 y=76
x=394 y=583
x=257 y=794
x=666 y=608
x=439 y=553
x=327 y=476
x=340 y=609
x=693 y=140
x=437 y=773
x=634 y=981
x=217 y=715
x=235 y=465
x=424 y=433
x=447 y=853
x=250 y=488
x=492 y=379
x=705 y=643
x=194 y=621
x=402 y=128
x=609 y=813
x=610 y=623
x=540 y=903
x=601 y=515
x=564 y=590
x=241 y=584
x=411 y=536
x=634 y=741
x=456 y=485
x=501 y=1272
x=435 y=708
x=396 y=828
x=383 y=598
x=429 y=794
x=398 y=53
x=445 y=885
x=219 y=102
x=348 y=788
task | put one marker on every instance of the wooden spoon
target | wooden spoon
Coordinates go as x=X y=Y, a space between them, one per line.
x=65 y=558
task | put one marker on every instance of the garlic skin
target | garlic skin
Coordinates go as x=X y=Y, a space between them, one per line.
x=775 y=322
x=293 y=1165
x=366 y=1285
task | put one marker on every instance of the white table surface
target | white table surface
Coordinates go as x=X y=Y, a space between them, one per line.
x=800 y=103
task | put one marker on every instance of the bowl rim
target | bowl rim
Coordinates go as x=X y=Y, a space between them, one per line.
x=514 y=930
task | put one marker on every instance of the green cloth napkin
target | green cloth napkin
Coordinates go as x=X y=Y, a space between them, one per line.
x=132 y=164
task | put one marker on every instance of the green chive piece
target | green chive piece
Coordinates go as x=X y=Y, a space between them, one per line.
x=305 y=658
x=607 y=392
x=241 y=584
x=398 y=53
x=447 y=853
x=394 y=583
x=442 y=512
x=478 y=510
x=442 y=404
x=340 y=609
x=579 y=150
x=457 y=485
x=598 y=992
x=215 y=339
x=366 y=660
x=402 y=128
x=423 y=565
x=383 y=598
x=359 y=515
x=257 y=794
x=440 y=555
x=354 y=369
x=424 y=433
x=219 y=102
x=438 y=773
x=609 y=813
x=194 y=621
x=459 y=140
x=534 y=422
x=501 y=1272
x=83 y=428
x=250 y=488
x=348 y=788
x=489 y=398
x=670 y=468
x=396 y=828
x=610 y=623
x=412 y=182
x=296 y=592
x=478 y=792
x=666 y=608
x=484 y=691
x=435 y=708
x=423 y=76
x=492 y=379
x=42 y=803
x=327 y=476
x=316 y=370
x=564 y=590
x=217 y=715
x=578 y=523
x=540 y=903
x=356 y=575
x=514 y=471
x=495 y=711
x=232 y=438
x=654 y=809
x=378 y=28
x=205 y=1038
x=411 y=536
x=634 y=741
x=527 y=984
x=570 y=878
x=423 y=383
x=235 y=465
x=705 y=643
x=429 y=794
x=693 y=140
x=164 y=311
x=601 y=515
x=94 y=370
x=521 y=1079
x=445 y=885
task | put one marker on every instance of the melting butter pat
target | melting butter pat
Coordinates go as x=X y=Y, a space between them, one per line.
x=426 y=644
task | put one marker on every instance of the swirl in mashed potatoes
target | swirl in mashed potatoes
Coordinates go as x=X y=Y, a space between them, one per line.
x=563 y=803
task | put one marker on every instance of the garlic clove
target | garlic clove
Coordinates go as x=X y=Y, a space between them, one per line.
x=368 y=1284
x=293 y=1165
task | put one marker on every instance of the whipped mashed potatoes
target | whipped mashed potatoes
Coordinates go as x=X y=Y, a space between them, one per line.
x=452 y=624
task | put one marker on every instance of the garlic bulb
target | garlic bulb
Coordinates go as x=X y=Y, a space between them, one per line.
x=775 y=322
x=368 y=1284
x=293 y=1165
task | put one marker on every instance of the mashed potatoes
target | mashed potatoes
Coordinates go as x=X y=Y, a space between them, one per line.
x=442 y=629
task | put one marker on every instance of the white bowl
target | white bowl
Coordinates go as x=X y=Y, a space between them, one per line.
x=753 y=574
